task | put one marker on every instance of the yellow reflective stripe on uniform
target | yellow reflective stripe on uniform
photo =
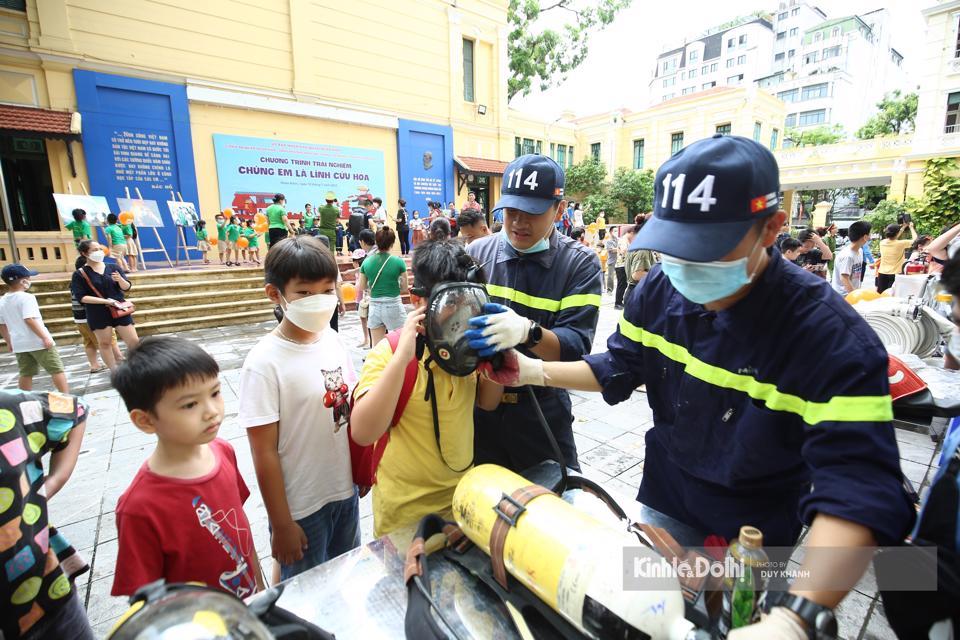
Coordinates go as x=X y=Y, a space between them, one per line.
x=545 y=304
x=837 y=409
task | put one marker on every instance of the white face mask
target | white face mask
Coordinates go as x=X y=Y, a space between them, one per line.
x=96 y=256
x=311 y=313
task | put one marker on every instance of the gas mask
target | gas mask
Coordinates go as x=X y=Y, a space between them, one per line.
x=449 y=310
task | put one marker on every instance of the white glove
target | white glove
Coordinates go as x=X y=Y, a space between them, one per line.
x=516 y=370
x=779 y=624
x=502 y=328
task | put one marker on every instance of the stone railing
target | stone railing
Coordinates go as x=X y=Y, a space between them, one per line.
x=856 y=151
x=44 y=251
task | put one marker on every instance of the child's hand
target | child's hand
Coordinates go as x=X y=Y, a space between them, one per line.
x=47 y=341
x=407 y=346
x=287 y=543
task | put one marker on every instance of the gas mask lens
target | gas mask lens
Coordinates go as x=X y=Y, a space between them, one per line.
x=448 y=315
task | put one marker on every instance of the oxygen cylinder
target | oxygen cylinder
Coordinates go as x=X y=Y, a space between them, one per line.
x=570 y=560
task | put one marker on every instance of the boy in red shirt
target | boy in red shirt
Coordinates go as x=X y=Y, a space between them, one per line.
x=182 y=516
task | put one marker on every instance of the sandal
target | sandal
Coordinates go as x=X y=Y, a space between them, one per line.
x=98 y=370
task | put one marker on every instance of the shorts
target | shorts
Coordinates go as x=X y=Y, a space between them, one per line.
x=331 y=531
x=131 y=247
x=386 y=312
x=117 y=251
x=203 y=245
x=31 y=361
x=89 y=339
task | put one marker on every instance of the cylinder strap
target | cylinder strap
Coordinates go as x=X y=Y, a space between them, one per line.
x=509 y=510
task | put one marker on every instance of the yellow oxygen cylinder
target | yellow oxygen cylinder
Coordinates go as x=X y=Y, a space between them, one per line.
x=570 y=560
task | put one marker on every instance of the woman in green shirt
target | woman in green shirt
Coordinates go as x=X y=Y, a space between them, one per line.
x=80 y=227
x=279 y=226
x=308 y=217
x=387 y=277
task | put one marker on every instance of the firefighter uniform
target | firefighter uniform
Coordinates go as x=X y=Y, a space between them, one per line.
x=560 y=290
x=754 y=403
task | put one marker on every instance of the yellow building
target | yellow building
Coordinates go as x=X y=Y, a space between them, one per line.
x=224 y=103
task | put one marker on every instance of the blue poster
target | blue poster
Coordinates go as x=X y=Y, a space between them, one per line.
x=137 y=139
x=251 y=170
x=425 y=153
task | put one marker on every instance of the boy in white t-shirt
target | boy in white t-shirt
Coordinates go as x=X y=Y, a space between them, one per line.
x=294 y=389
x=21 y=325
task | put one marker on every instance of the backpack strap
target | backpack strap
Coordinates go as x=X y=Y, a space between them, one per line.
x=409 y=378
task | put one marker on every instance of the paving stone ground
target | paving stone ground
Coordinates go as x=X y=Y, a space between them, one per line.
x=609 y=440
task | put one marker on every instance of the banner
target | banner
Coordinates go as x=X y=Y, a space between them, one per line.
x=251 y=170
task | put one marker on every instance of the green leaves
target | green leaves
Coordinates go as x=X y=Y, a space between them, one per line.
x=633 y=189
x=896 y=114
x=816 y=136
x=630 y=192
x=586 y=177
x=933 y=212
x=544 y=55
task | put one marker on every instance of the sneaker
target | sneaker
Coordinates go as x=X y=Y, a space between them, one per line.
x=618 y=306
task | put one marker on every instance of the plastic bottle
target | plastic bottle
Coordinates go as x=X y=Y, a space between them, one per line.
x=944 y=304
x=742 y=591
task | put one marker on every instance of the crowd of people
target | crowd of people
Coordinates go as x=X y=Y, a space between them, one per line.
x=712 y=314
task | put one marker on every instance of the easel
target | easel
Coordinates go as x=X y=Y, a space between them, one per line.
x=140 y=249
x=181 y=237
x=92 y=226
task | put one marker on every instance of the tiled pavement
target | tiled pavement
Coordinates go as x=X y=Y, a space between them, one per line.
x=609 y=440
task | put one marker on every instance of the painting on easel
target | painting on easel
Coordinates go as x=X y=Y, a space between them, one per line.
x=184 y=214
x=145 y=212
x=96 y=207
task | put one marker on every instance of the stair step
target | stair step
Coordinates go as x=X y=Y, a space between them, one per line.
x=141 y=291
x=72 y=336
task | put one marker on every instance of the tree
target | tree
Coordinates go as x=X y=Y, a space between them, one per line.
x=633 y=189
x=941 y=192
x=869 y=197
x=816 y=137
x=896 y=114
x=585 y=178
x=597 y=202
x=548 y=55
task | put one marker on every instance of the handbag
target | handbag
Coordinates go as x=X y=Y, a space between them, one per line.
x=118 y=310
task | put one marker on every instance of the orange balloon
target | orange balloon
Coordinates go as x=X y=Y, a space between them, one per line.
x=213 y=242
x=106 y=250
x=227 y=212
x=349 y=292
x=260 y=219
x=260 y=228
x=859 y=295
x=126 y=217
x=242 y=243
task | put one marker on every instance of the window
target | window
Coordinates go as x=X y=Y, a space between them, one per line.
x=743 y=40
x=817 y=36
x=740 y=60
x=688 y=90
x=778 y=57
x=14 y=5
x=735 y=79
x=810 y=58
x=781 y=35
x=694 y=56
x=561 y=154
x=529 y=146
x=795 y=11
x=956 y=51
x=791 y=53
x=595 y=148
x=683 y=75
x=832 y=52
x=953 y=113
x=570 y=156
x=730 y=43
x=774 y=139
x=553 y=151
x=676 y=141
x=667 y=96
x=713 y=67
x=808 y=118
x=724 y=129
x=539 y=147
x=638 y=154
x=668 y=82
x=468 y=70
x=790 y=95
x=693 y=73
x=730 y=62
x=815 y=91
x=791 y=120
x=833 y=34
x=757 y=127
x=517 y=148
x=780 y=16
x=665 y=65
x=794 y=32
x=704 y=69
x=709 y=85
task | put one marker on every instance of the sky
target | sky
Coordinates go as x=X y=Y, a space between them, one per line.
x=620 y=63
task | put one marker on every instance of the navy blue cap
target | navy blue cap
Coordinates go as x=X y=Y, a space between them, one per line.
x=532 y=183
x=13 y=272
x=718 y=188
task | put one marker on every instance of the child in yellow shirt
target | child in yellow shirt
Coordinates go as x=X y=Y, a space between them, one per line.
x=419 y=471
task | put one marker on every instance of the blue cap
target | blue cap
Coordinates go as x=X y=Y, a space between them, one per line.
x=13 y=272
x=532 y=183
x=708 y=195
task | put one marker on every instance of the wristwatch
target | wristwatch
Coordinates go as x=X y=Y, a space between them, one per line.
x=820 y=621
x=534 y=335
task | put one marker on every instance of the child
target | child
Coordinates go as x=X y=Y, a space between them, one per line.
x=221 y=221
x=202 y=243
x=294 y=389
x=39 y=599
x=80 y=227
x=253 y=246
x=129 y=238
x=419 y=470
x=116 y=243
x=21 y=325
x=233 y=234
x=182 y=516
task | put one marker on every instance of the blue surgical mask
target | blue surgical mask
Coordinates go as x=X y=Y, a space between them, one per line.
x=704 y=282
x=540 y=245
